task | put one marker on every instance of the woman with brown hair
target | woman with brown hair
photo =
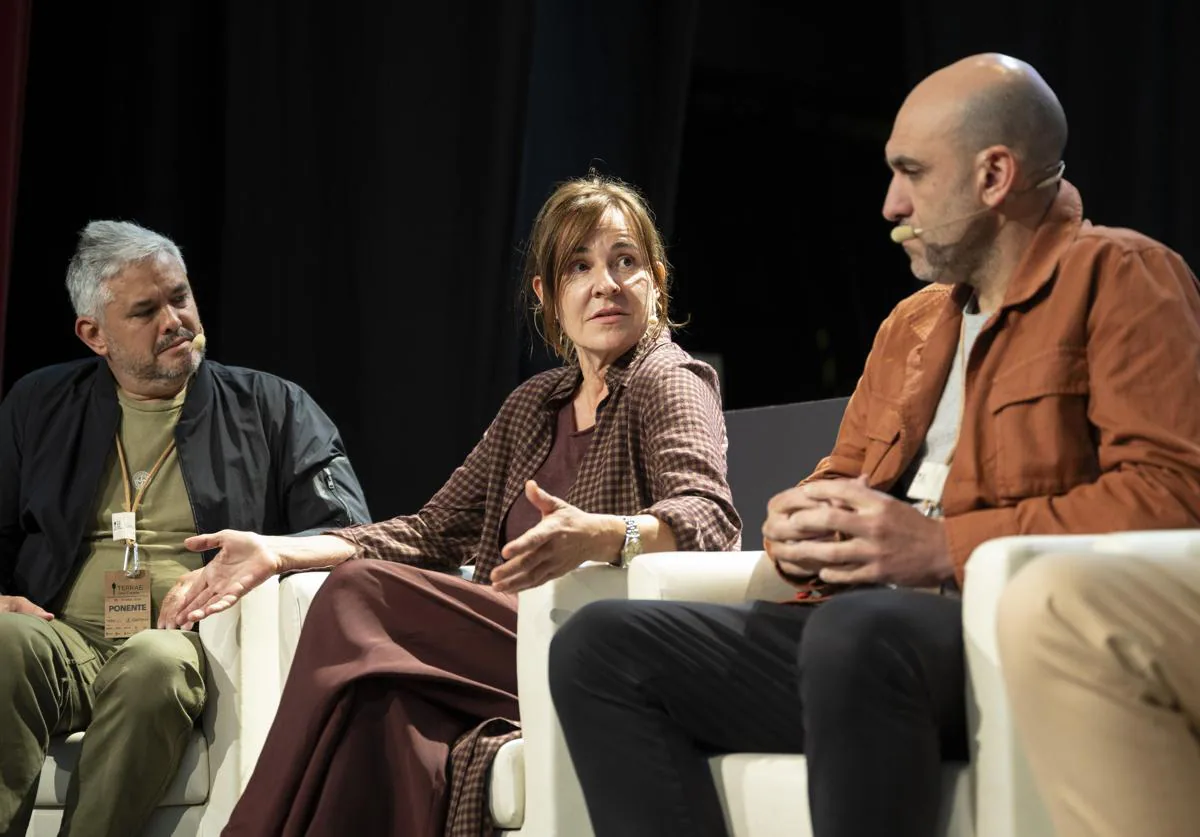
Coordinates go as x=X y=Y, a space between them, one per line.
x=619 y=451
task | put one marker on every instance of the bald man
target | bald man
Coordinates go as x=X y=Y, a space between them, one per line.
x=1044 y=382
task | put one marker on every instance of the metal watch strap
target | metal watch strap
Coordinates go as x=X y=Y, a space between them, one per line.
x=633 y=541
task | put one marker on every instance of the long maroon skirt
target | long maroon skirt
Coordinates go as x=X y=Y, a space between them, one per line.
x=394 y=663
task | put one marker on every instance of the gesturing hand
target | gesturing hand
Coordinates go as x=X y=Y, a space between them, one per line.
x=559 y=543
x=243 y=562
x=882 y=539
x=20 y=604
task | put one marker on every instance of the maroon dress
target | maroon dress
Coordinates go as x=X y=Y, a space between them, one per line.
x=394 y=663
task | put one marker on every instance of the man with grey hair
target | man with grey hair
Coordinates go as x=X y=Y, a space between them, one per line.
x=1045 y=381
x=107 y=466
x=114 y=259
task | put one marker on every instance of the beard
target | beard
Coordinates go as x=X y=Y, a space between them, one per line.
x=961 y=260
x=153 y=369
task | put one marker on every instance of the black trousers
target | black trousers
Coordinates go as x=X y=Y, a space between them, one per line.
x=869 y=686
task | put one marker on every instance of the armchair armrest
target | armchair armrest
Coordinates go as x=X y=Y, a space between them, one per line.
x=1007 y=800
x=557 y=807
x=296 y=593
x=715 y=577
x=1007 y=803
x=1157 y=543
x=241 y=646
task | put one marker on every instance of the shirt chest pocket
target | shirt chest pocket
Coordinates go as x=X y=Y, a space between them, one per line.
x=1042 y=439
x=883 y=435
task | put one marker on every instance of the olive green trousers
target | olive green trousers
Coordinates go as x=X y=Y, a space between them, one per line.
x=138 y=700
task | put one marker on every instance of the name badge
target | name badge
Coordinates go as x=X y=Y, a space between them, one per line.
x=124 y=526
x=126 y=604
x=929 y=482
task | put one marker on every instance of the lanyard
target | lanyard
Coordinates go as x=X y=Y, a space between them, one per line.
x=131 y=506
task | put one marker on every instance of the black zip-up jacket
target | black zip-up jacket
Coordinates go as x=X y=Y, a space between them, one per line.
x=256 y=453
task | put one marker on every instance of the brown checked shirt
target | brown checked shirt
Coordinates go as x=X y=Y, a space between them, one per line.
x=658 y=448
x=1082 y=395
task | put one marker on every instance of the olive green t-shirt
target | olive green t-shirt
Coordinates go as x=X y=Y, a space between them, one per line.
x=164 y=518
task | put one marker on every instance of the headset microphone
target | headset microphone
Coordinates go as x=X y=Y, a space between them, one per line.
x=906 y=232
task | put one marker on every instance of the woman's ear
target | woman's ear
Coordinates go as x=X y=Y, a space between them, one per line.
x=537 y=289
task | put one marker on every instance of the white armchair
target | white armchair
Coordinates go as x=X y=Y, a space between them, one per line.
x=763 y=794
x=242 y=650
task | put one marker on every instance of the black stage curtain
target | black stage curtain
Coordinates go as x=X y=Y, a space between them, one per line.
x=1128 y=83
x=351 y=184
x=14 y=43
x=783 y=255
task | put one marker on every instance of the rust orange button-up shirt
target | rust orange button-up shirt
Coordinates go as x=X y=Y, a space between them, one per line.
x=1082 y=407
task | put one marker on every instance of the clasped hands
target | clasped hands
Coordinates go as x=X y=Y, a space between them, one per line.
x=844 y=532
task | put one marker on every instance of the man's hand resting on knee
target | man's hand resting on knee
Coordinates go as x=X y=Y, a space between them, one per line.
x=20 y=604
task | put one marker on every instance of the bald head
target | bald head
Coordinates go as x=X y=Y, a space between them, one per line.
x=992 y=99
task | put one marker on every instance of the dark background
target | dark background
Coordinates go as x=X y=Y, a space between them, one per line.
x=351 y=185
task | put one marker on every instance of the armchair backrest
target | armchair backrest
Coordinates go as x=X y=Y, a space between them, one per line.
x=773 y=448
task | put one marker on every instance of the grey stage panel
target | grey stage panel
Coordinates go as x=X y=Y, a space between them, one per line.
x=772 y=448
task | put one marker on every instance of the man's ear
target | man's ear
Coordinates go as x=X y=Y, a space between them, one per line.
x=88 y=330
x=998 y=174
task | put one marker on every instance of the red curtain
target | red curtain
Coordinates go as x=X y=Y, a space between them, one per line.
x=14 y=47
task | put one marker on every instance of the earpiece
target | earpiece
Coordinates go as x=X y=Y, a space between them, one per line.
x=1055 y=177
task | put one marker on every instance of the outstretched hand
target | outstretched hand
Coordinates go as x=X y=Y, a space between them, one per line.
x=243 y=562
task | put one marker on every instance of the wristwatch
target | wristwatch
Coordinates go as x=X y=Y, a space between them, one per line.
x=632 y=547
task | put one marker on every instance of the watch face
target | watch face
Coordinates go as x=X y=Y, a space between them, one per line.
x=631 y=550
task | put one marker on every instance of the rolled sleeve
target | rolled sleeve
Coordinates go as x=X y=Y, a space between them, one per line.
x=685 y=460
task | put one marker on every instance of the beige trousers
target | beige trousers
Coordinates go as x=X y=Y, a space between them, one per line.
x=1101 y=656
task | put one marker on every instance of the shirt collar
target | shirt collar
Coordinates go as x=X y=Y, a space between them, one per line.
x=617 y=375
x=1057 y=231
